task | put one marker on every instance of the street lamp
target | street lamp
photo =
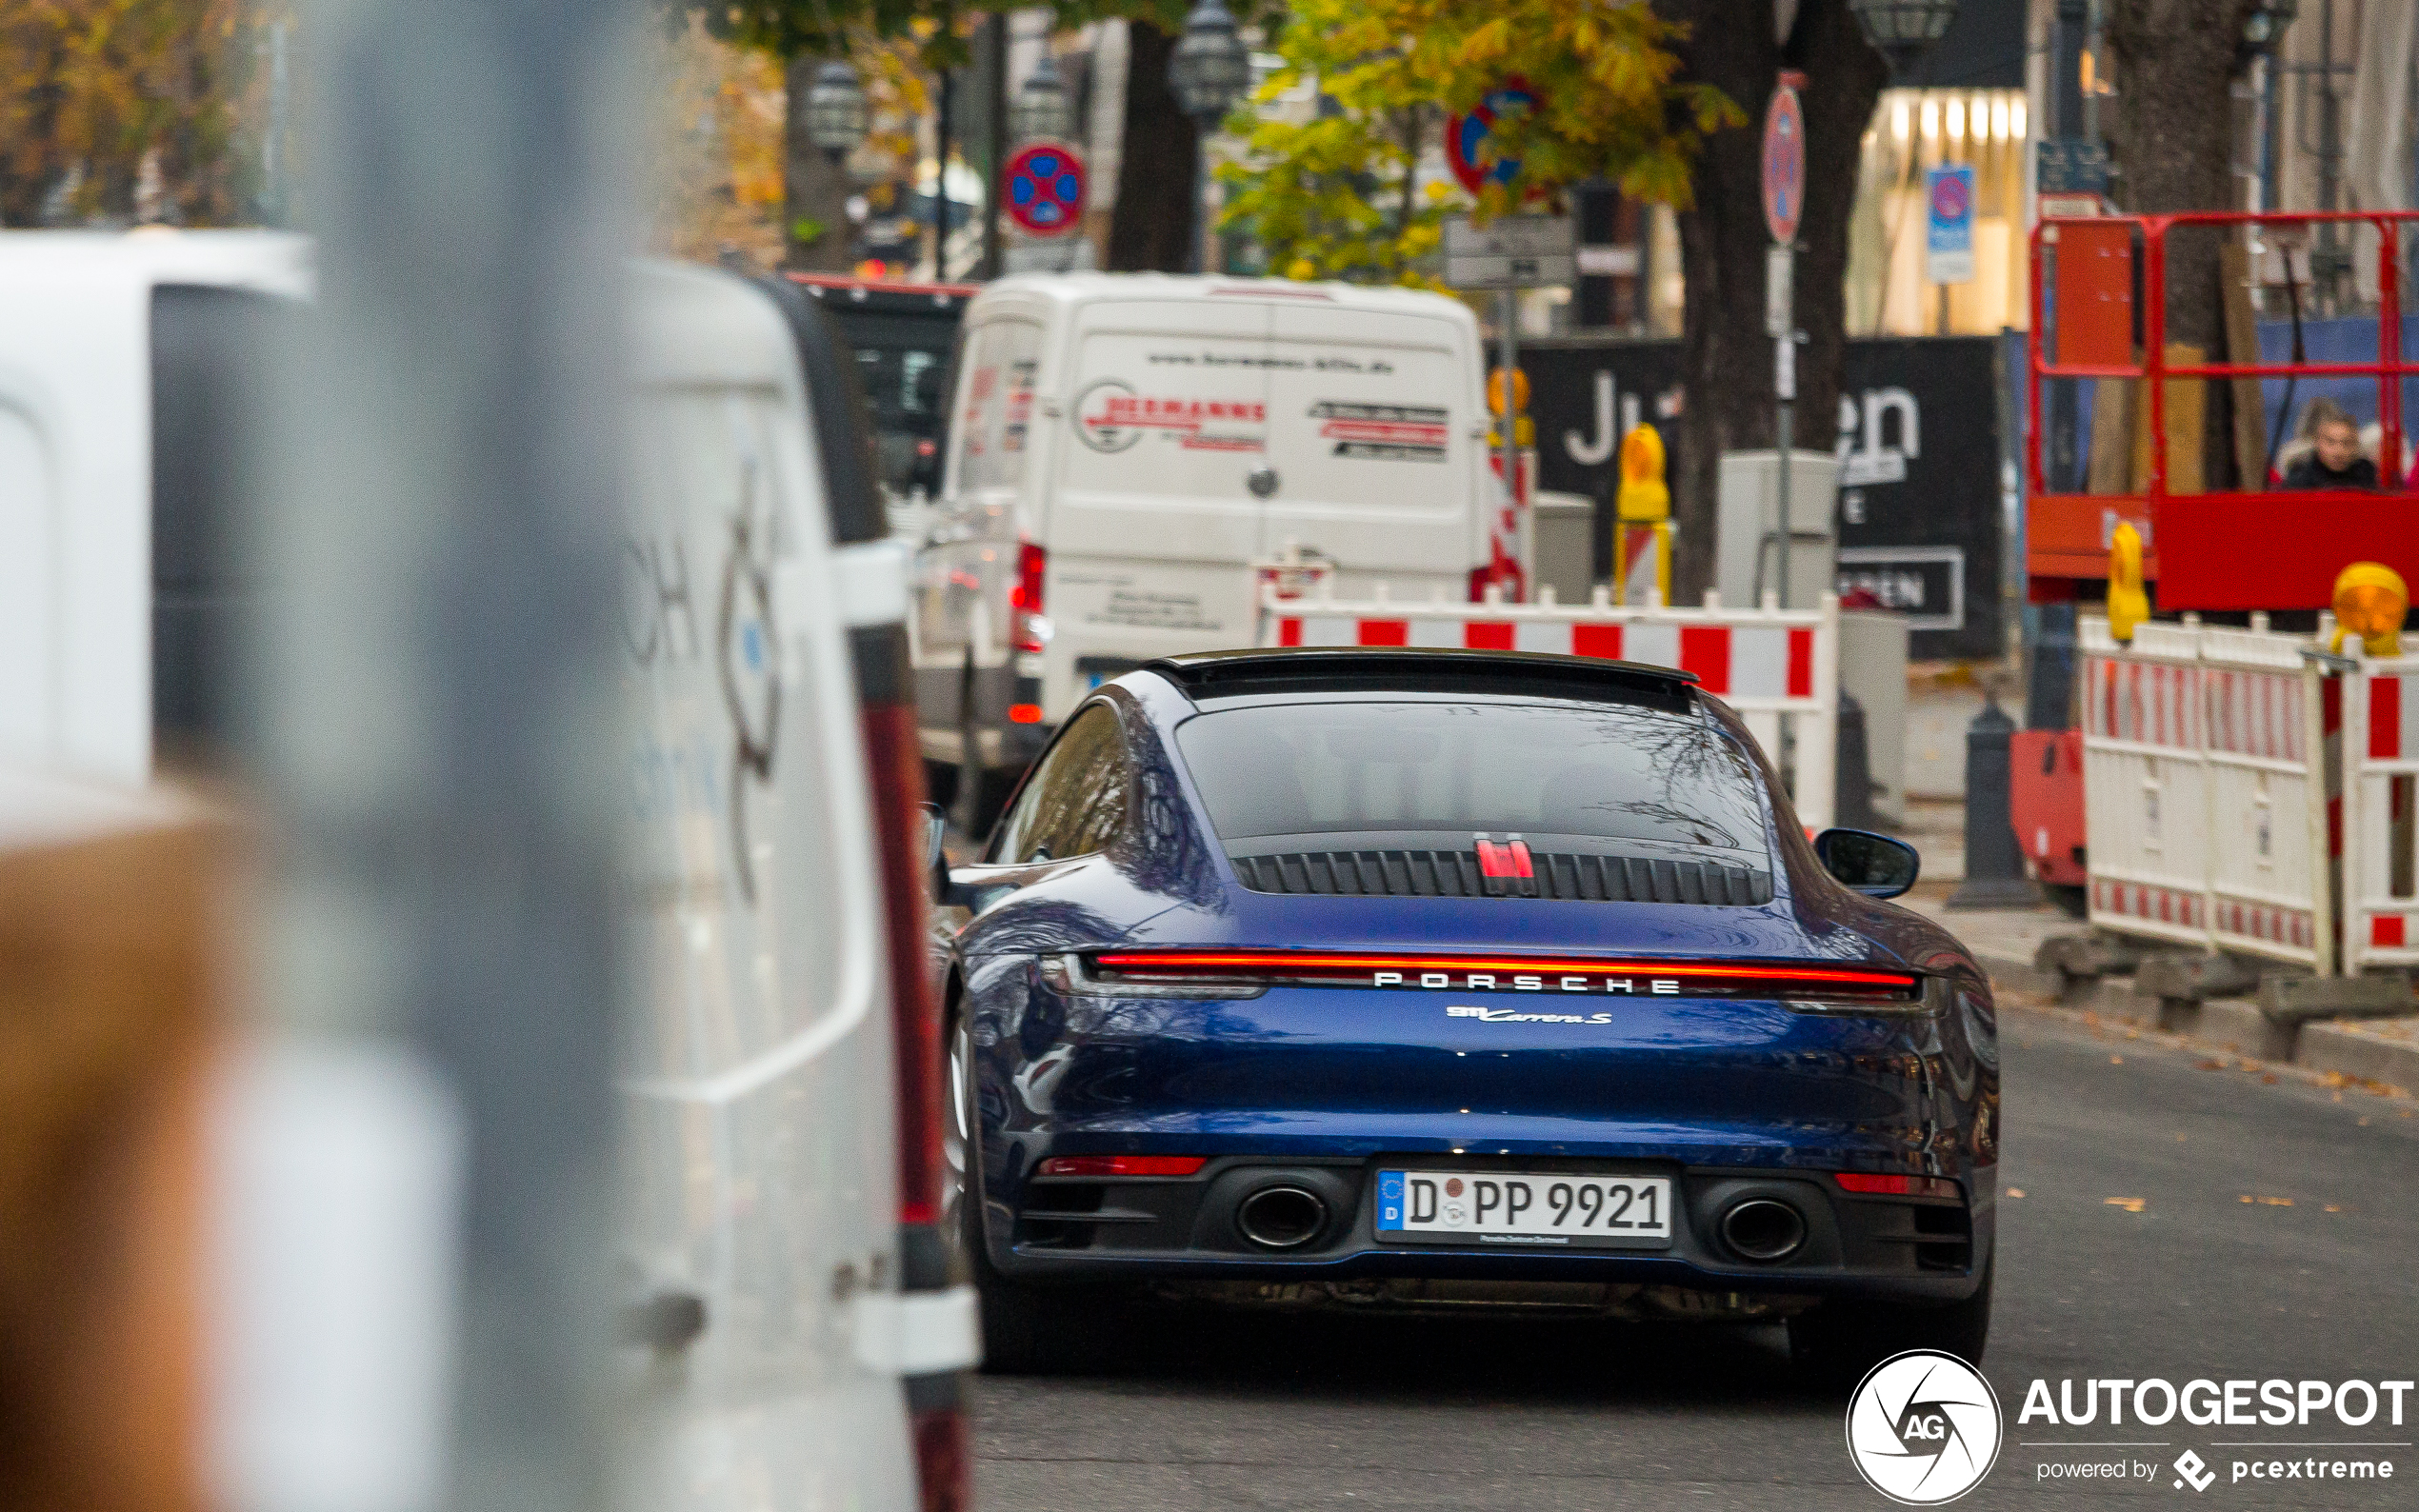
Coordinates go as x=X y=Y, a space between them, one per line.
x=1209 y=71
x=1042 y=113
x=1903 y=30
x=835 y=110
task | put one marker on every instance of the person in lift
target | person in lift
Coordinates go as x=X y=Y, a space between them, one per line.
x=2333 y=460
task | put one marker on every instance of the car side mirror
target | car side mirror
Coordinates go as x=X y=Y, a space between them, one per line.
x=936 y=860
x=1876 y=865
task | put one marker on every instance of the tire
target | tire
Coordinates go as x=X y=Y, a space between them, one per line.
x=2072 y=900
x=1027 y=1330
x=1839 y=1342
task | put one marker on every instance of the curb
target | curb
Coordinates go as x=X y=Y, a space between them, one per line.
x=2381 y=1056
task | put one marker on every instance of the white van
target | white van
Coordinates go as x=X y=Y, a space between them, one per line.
x=1123 y=449
x=801 y=1336
x=121 y=373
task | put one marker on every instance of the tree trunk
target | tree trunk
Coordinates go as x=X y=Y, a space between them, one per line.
x=815 y=189
x=1151 y=228
x=1727 y=366
x=2174 y=140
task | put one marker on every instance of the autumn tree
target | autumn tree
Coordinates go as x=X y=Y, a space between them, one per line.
x=804 y=35
x=1335 y=196
x=2175 y=61
x=1728 y=357
x=92 y=90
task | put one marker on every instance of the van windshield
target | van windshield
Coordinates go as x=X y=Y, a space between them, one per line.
x=1463 y=766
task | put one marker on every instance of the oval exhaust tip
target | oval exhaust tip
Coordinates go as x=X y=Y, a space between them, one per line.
x=1281 y=1217
x=1763 y=1229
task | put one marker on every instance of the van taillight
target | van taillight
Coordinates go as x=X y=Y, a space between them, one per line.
x=943 y=1467
x=885 y=690
x=1027 y=630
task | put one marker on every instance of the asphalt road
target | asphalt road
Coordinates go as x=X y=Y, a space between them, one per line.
x=1223 y=1410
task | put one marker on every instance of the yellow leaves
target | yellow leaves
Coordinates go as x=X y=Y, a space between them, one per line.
x=1487 y=44
x=2267 y=1201
x=1302 y=271
x=2131 y=1204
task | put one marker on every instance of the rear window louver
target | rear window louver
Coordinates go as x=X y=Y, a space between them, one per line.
x=1455 y=874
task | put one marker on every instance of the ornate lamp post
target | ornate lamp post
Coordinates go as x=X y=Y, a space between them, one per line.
x=1903 y=30
x=1209 y=71
x=835 y=110
x=1042 y=112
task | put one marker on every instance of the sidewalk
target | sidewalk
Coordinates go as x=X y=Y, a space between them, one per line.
x=2379 y=1056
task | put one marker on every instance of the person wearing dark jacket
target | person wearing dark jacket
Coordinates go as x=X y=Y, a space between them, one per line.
x=2333 y=460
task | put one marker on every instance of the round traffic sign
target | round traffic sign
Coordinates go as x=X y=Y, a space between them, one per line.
x=1043 y=189
x=1465 y=138
x=1784 y=165
x=1951 y=196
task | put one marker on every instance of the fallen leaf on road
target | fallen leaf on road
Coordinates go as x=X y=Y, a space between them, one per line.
x=2133 y=1034
x=2270 y=1080
x=2015 y=1191
x=2334 y=1207
x=2212 y=1065
x=2179 y=1139
x=2116 y=1059
x=2269 y=1202
x=2131 y=1204
x=2334 y=1078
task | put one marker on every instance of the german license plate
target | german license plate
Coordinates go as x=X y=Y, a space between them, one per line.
x=1524 y=1210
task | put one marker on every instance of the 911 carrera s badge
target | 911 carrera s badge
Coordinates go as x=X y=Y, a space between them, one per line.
x=1515 y=1016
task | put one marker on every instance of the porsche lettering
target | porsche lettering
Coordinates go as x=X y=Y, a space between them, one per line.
x=1494 y=982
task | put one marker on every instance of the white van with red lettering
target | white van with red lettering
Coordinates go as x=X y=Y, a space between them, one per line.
x=1123 y=447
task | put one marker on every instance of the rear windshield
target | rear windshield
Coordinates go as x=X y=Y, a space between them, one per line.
x=1606 y=771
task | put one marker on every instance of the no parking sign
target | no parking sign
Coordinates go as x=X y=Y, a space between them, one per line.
x=1948 y=248
x=1041 y=189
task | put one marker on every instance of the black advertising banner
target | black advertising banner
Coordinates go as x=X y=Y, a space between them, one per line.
x=1921 y=521
x=1921 y=515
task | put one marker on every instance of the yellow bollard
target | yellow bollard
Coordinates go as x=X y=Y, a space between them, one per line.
x=1643 y=506
x=2129 y=606
x=2370 y=601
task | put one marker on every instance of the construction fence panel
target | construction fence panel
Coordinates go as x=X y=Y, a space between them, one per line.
x=2381 y=767
x=1772 y=666
x=2207 y=770
x=2145 y=782
x=2264 y=720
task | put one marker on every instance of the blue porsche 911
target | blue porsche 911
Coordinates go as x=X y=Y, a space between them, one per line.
x=1404 y=979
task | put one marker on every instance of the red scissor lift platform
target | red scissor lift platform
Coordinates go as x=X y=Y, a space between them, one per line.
x=2100 y=297
x=2100 y=310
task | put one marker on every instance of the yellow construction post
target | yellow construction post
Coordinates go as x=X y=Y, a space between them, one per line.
x=1642 y=546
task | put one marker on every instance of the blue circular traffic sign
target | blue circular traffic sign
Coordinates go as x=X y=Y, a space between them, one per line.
x=1045 y=189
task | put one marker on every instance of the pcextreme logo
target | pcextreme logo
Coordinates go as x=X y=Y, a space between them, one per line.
x=1923 y=1428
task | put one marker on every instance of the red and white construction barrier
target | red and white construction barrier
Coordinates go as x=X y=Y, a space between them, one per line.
x=2207 y=776
x=2380 y=771
x=1768 y=663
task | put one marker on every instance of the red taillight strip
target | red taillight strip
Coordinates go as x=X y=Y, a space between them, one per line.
x=1312 y=962
x=1124 y=1164
x=1874 y=1183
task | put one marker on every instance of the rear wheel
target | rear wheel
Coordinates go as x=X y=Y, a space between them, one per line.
x=1027 y=1330
x=1839 y=1342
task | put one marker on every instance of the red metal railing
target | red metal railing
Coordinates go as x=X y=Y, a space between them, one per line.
x=2056 y=548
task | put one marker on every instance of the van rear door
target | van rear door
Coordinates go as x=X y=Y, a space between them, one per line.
x=1153 y=519
x=1369 y=421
